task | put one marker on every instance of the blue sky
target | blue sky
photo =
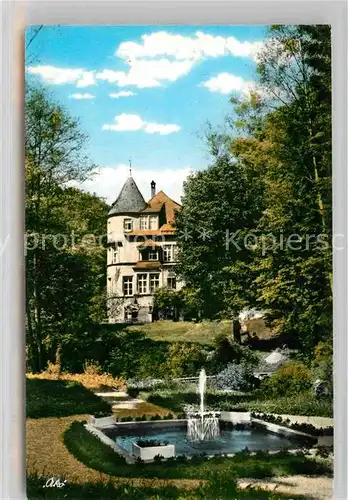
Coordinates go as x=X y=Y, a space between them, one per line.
x=145 y=93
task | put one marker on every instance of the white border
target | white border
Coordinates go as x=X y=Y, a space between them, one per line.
x=14 y=16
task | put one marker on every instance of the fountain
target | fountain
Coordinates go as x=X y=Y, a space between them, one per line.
x=202 y=426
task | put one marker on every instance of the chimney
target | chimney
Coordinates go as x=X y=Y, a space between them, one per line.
x=153 y=188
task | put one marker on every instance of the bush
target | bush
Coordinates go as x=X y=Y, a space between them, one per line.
x=291 y=378
x=236 y=378
x=185 y=359
x=227 y=351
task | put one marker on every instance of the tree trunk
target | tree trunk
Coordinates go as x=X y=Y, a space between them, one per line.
x=236 y=336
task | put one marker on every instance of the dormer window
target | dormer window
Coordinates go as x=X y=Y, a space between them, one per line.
x=127 y=225
x=153 y=222
x=144 y=222
x=148 y=222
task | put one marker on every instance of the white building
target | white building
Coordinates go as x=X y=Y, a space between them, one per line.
x=141 y=252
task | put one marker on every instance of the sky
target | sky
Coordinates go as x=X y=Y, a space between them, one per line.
x=144 y=94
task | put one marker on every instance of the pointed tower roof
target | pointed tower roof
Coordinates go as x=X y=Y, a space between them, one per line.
x=130 y=200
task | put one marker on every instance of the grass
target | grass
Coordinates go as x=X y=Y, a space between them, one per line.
x=96 y=455
x=141 y=409
x=172 y=331
x=91 y=378
x=60 y=398
x=217 y=488
x=298 y=404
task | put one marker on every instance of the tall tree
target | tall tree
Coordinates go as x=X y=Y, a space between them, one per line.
x=55 y=154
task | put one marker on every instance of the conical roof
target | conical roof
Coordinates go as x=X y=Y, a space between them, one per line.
x=130 y=199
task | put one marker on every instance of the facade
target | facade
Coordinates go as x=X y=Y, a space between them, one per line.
x=141 y=253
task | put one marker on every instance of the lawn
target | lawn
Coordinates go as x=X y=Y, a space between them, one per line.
x=60 y=398
x=217 y=488
x=172 y=331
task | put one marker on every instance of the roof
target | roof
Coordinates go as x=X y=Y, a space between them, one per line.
x=171 y=206
x=148 y=244
x=130 y=199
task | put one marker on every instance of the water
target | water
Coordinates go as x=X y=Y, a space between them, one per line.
x=229 y=441
x=204 y=426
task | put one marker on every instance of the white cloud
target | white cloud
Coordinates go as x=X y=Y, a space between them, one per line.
x=127 y=122
x=58 y=76
x=226 y=83
x=158 y=58
x=122 y=93
x=87 y=79
x=162 y=129
x=180 y=47
x=147 y=73
x=108 y=181
x=82 y=96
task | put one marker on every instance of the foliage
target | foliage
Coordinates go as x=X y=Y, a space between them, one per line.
x=269 y=185
x=89 y=378
x=322 y=366
x=227 y=351
x=184 y=359
x=217 y=202
x=257 y=401
x=235 y=377
x=60 y=398
x=65 y=273
x=291 y=378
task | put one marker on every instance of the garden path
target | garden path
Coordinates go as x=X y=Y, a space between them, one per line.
x=120 y=400
x=316 y=488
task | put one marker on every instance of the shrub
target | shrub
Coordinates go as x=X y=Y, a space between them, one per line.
x=92 y=368
x=227 y=351
x=291 y=378
x=185 y=359
x=235 y=377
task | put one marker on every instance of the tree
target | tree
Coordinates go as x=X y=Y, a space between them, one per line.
x=56 y=273
x=220 y=207
x=271 y=181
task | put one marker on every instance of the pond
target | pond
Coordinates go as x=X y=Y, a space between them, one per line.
x=229 y=441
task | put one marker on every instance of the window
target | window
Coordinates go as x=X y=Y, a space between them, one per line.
x=127 y=224
x=154 y=282
x=153 y=222
x=114 y=255
x=142 y=283
x=171 y=283
x=168 y=253
x=153 y=255
x=128 y=285
x=144 y=222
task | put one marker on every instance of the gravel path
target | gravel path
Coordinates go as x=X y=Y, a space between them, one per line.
x=313 y=488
